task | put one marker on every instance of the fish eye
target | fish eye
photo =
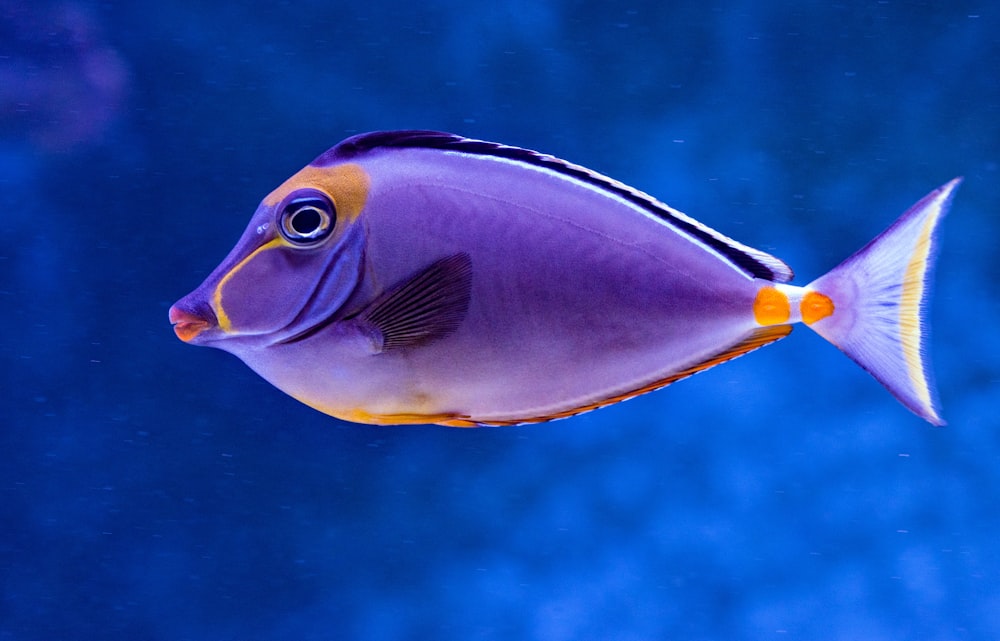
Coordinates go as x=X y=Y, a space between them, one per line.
x=306 y=221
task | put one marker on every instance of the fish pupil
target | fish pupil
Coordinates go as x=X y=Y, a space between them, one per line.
x=306 y=220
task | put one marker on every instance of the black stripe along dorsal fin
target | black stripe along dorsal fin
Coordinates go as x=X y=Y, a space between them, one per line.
x=752 y=261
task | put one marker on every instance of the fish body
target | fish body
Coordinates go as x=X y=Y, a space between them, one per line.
x=421 y=277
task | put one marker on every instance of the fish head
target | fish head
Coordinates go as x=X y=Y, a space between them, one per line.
x=294 y=267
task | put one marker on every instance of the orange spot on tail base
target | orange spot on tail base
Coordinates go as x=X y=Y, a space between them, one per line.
x=771 y=307
x=815 y=306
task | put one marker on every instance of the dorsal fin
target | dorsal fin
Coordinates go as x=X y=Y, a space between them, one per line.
x=752 y=261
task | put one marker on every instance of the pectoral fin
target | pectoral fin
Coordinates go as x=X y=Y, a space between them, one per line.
x=427 y=306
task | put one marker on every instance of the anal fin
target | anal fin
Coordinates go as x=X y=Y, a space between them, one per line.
x=756 y=339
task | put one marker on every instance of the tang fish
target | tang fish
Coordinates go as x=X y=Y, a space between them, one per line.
x=423 y=277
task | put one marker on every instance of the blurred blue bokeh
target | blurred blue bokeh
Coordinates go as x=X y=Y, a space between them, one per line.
x=150 y=490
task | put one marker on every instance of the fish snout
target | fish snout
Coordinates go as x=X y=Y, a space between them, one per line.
x=189 y=323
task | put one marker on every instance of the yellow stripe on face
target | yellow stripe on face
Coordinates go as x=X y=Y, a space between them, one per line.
x=225 y=324
x=910 y=329
x=347 y=185
x=771 y=307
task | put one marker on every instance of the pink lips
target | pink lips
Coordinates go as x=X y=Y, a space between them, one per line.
x=187 y=325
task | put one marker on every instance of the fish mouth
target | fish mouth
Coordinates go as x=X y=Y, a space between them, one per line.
x=189 y=324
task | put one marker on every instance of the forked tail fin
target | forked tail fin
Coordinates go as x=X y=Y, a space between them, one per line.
x=878 y=296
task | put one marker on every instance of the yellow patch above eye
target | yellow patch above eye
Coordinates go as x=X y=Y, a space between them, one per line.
x=771 y=307
x=346 y=185
x=815 y=306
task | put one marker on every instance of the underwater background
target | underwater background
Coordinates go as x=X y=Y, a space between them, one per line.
x=151 y=490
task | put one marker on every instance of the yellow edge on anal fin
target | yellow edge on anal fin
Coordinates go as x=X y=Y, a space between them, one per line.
x=359 y=416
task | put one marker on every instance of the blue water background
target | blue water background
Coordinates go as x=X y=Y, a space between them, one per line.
x=150 y=490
